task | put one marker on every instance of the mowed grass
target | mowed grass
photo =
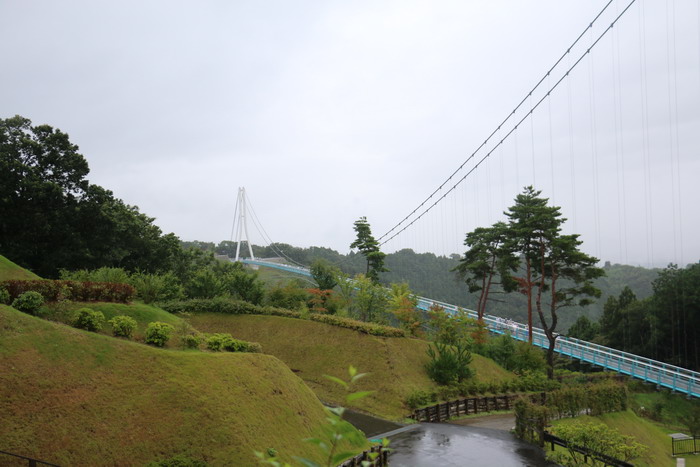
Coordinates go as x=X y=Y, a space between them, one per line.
x=644 y=432
x=312 y=350
x=63 y=312
x=72 y=397
x=9 y=271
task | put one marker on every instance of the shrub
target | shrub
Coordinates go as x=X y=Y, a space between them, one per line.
x=191 y=341
x=418 y=398
x=28 y=302
x=71 y=290
x=88 y=319
x=448 y=364
x=157 y=333
x=220 y=342
x=4 y=296
x=123 y=326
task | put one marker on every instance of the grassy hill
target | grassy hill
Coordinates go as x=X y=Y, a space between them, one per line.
x=312 y=349
x=76 y=398
x=645 y=432
x=9 y=270
x=143 y=314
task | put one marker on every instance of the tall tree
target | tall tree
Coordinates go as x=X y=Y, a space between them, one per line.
x=566 y=275
x=531 y=223
x=369 y=247
x=488 y=262
x=52 y=218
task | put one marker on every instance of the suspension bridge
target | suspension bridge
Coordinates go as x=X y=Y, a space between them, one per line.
x=609 y=132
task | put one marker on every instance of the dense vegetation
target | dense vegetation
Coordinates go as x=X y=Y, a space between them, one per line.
x=665 y=326
x=432 y=276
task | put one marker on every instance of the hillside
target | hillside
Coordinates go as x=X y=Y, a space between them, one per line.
x=645 y=432
x=76 y=398
x=10 y=270
x=313 y=349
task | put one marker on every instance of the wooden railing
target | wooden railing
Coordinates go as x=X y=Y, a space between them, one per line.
x=380 y=461
x=469 y=406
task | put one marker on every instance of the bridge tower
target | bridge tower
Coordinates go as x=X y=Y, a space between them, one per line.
x=242 y=224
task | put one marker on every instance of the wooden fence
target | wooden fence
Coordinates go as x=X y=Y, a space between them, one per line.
x=380 y=461
x=469 y=406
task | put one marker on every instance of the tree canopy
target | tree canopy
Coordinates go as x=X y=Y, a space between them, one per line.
x=369 y=247
x=52 y=218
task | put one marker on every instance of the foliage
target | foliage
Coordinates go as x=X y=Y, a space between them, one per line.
x=366 y=328
x=123 y=326
x=156 y=287
x=324 y=274
x=369 y=247
x=289 y=296
x=665 y=326
x=402 y=303
x=4 y=296
x=555 y=269
x=243 y=284
x=370 y=299
x=584 y=329
x=157 y=333
x=90 y=320
x=449 y=364
x=191 y=341
x=72 y=290
x=531 y=420
x=598 y=438
x=322 y=301
x=488 y=262
x=53 y=218
x=691 y=420
x=449 y=328
x=28 y=302
x=225 y=342
x=518 y=357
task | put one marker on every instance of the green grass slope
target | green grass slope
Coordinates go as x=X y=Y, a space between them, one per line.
x=63 y=312
x=9 y=270
x=645 y=432
x=313 y=349
x=76 y=398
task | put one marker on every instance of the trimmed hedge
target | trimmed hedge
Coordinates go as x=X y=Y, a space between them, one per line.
x=220 y=341
x=238 y=307
x=53 y=291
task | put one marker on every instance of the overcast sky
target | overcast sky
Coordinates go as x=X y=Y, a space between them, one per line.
x=326 y=111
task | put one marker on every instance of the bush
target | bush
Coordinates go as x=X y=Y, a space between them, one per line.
x=88 y=319
x=220 y=342
x=53 y=291
x=157 y=333
x=4 y=296
x=191 y=341
x=123 y=326
x=28 y=302
x=418 y=399
x=449 y=364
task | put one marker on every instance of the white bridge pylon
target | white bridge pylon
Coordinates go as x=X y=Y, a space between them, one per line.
x=242 y=224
